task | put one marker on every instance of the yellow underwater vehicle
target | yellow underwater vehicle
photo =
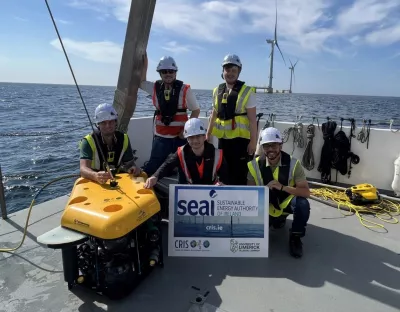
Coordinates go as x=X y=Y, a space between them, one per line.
x=109 y=236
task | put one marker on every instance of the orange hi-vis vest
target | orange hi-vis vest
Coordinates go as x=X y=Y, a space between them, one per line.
x=171 y=108
x=206 y=172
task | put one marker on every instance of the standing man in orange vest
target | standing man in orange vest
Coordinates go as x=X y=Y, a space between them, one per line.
x=172 y=99
x=198 y=162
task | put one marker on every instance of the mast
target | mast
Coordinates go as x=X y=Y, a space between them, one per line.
x=136 y=39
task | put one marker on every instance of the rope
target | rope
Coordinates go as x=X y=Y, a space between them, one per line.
x=41 y=133
x=298 y=138
x=384 y=210
x=30 y=210
x=363 y=135
x=308 y=156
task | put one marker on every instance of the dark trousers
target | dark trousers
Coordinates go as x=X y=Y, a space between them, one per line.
x=236 y=156
x=300 y=208
x=160 y=150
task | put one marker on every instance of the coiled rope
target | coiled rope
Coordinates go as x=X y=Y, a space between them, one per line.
x=297 y=131
x=308 y=156
x=363 y=135
x=384 y=210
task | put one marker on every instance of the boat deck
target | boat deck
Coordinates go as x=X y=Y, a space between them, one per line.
x=345 y=267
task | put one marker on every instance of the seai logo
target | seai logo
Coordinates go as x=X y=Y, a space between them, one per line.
x=197 y=208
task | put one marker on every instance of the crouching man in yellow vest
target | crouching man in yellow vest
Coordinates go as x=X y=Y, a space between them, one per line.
x=115 y=145
x=285 y=177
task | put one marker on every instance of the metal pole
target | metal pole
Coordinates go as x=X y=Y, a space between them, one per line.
x=2 y=198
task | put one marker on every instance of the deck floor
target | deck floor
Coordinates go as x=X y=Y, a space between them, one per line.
x=345 y=267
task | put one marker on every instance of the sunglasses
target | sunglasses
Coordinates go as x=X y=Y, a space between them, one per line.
x=167 y=71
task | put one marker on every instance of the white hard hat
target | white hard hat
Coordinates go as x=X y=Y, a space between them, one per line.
x=232 y=59
x=105 y=112
x=167 y=62
x=194 y=126
x=270 y=135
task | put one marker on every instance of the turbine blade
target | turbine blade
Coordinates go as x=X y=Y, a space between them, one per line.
x=295 y=63
x=291 y=63
x=280 y=52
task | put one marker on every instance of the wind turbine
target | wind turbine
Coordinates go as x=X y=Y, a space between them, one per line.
x=273 y=42
x=291 y=74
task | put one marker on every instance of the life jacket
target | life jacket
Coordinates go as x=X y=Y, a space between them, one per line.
x=204 y=173
x=114 y=156
x=171 y=109
x=232 y=121
x=262 y=174
x=325 y=164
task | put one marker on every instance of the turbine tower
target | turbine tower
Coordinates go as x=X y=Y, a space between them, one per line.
x=292 y=74
x=273 y=42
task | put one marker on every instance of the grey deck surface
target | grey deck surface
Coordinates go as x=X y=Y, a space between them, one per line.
x=345 y=267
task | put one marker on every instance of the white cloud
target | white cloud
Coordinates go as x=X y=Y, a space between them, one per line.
x=174 y=47
x=102 y=51
x=21 y=19
x=387 y=35
x=65 y=22
x=310 y=25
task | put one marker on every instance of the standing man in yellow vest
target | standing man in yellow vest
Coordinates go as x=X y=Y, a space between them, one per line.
x=285 y=177
x=115 y=145
x=233 y=120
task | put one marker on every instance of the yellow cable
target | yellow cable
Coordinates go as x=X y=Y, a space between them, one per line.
x=30 y=210
x=384 y=210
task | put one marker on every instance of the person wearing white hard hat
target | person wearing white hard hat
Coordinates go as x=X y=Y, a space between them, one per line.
x=115 y=145
x=287 y=182
x=198 y=161
x=233 y=119
x=172 y=100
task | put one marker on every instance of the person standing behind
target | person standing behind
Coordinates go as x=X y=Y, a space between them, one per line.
x=233 y=120
x=171 y=99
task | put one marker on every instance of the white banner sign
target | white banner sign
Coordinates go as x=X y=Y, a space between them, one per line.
x=218 y=221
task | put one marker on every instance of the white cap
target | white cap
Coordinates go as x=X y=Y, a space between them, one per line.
x=270 y=135
x=105 y=112
x=167 y=62
x=194 y=126
x=232 y=59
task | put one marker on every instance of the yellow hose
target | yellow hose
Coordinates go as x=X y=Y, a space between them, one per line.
x=30 y=210
x=384 y=210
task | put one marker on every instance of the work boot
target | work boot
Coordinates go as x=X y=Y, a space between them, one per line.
x=295 y=246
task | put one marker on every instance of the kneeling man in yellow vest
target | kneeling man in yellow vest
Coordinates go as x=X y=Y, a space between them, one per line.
x=288 y=187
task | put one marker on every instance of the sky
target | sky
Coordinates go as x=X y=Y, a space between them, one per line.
x=342 y=46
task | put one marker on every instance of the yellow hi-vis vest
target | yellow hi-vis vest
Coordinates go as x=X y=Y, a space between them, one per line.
x=285 y=177
x=235 y=125
x=95 y=164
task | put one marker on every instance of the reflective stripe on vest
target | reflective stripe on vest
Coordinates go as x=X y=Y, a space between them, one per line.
x=223 y=128
x=95 y=165
x=217 y=163
x=178 y=122
x=255 y=172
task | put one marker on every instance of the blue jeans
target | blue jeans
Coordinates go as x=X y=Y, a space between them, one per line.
x=162 y=147
x=300 y=208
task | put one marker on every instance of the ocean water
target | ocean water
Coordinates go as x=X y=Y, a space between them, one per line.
x=31 y=155
x=226 y=230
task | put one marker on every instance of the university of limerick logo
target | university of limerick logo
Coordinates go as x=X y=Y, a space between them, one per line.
x=234 y=245
x=213 y=194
